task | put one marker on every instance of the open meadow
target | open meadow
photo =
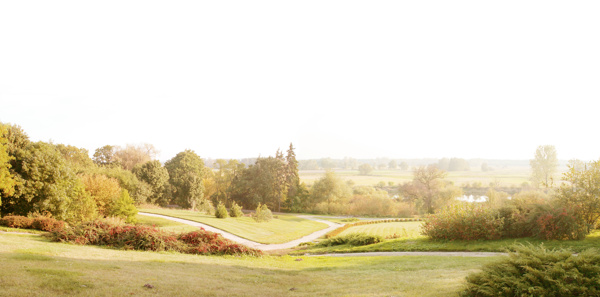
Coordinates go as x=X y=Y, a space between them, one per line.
x=33 y=266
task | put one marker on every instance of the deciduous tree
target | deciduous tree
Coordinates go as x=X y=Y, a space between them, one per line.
x=582 y=191
x=185 y=176
x=429 y=189
x=543 y=165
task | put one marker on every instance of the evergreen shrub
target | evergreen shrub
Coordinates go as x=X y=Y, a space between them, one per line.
x=221 y=211
x=236 y=210
x=536 y=271
x=262 y=214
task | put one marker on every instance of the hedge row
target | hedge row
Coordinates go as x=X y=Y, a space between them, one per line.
x=337 y=231
x=39 y=223
x=136 y=237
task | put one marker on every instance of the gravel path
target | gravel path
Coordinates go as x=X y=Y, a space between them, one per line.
x=445 y=254
x=253 y=244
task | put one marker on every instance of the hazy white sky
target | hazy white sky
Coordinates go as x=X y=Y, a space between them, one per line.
x=364 y=79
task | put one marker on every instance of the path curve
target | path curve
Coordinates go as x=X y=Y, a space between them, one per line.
x=253 y=244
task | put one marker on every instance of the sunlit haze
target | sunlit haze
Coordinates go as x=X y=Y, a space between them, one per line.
x=362 y=79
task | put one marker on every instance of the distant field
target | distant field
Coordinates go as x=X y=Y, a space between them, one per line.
x=398 y=229
x=283 y=229
x=505 y=177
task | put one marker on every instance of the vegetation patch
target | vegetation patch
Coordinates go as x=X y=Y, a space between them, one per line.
x=352 y=239
x=537 y=271
x=338 y=231
x=132 y=237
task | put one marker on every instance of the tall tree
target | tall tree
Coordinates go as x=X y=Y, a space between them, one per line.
x=7 y=180
x=544 y=165
x=262 y=182
x=292 y=179
x=582 y=191
x=105 y=156
x=330 y=188
x=78 y=158
x=132 y=155
x=156 y=176
x=429 y=189
x=185 y=176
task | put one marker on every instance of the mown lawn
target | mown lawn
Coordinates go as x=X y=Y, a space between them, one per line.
x=396 y=229
x=425 y=244
x=32 y=266
x=164 y=224
x=283 y=229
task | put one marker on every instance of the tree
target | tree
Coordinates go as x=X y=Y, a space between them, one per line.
x=292 y=179
x=123 y=207
x=403 y=165
x=429 y=189
x=544 y=165
x=132 y=155
x=582 y=191
x=365 y=169
x=262 y=182
x=393 y=164
x=224 y=177
x=104 y=190
x=7 y=180
x=186 y=171
x=330 y=188
x=78 y=158
x=156 y=176
x=105 y=156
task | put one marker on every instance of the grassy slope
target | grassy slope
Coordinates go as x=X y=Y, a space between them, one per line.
x=32 y=266
x=404 y=229
x=424 y=244
x=284 y=229
x=164 y=224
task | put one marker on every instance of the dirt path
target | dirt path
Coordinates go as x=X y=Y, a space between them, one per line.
x=253 y=244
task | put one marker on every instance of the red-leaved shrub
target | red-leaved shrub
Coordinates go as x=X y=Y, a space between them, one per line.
x=47 y=224
x=464 y=221
x=16 y=222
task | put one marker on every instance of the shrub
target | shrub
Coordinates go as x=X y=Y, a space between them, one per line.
x=116 y=234
x=47 y=224
x=16 y=222
x=262 y=214
x=123 y=207
x=221 y=211
x=464 y=221
x=536 y=271
x=561 y=223
x=355 y=239
x=236 y=210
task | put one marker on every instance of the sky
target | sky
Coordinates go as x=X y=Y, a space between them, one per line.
x=360 y=79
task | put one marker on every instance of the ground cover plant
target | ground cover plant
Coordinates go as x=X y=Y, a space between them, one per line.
x=33 y=266
x=137 y=237
x=284 y=228
x=538 y=271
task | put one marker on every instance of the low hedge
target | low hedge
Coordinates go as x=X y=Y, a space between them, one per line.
x=352 y=239
x=39 y=223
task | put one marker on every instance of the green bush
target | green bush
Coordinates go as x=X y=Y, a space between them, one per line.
x=464 y=221
x=355 y=239
x=236 y=210
x=123 y=207
x=536 y=271
x=221 y=211
x=16 y=222
x=262 y=214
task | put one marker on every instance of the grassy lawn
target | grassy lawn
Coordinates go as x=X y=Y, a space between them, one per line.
x=164 y=224
x=283 y=229
x=425 y=244
x=398 y=229
x=32 y=266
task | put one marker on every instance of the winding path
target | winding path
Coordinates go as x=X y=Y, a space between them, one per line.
x=253 y=244
x=315 y=235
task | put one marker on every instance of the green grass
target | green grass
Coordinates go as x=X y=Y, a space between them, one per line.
x=32 y=266
x=283 y=229
x=425 y=244
x=164 y=224
x=396 y=229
